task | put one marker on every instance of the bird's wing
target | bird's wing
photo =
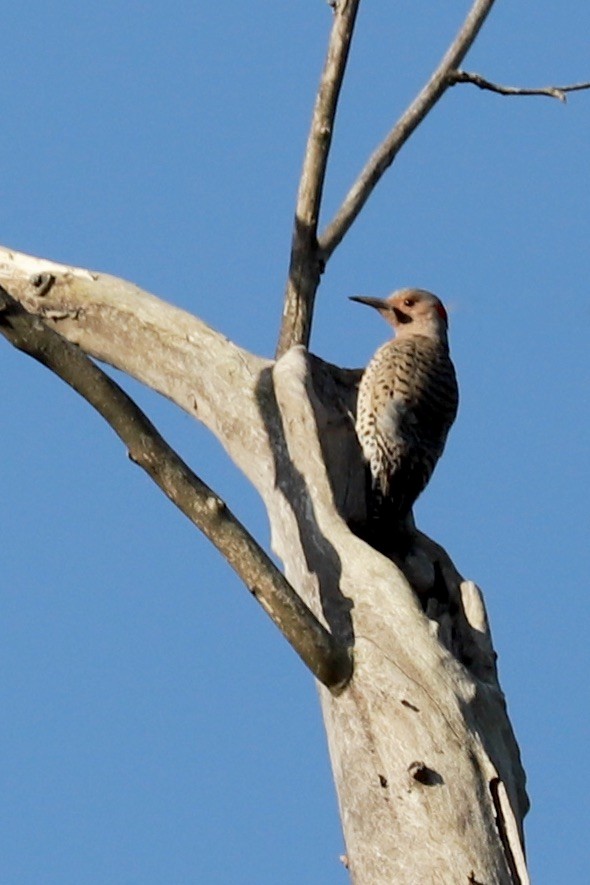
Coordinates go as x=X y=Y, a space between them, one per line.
x=396 y=418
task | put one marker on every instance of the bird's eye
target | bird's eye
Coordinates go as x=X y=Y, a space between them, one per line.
x=409 y=302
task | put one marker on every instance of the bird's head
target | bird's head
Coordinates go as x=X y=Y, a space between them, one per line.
x=411 y=312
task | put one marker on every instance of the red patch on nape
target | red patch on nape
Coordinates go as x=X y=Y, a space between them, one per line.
x=440 y=309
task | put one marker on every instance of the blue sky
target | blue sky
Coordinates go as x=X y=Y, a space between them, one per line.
x=156 y=728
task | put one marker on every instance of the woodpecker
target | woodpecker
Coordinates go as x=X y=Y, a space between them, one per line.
x=407 y=401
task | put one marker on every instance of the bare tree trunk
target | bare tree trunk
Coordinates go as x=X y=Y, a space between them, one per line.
x=426 y=766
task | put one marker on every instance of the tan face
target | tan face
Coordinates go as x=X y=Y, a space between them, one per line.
x=411 y=311
x=416 y=306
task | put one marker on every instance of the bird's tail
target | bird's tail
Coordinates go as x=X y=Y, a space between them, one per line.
x=388 y=517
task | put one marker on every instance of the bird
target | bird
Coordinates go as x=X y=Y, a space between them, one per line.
x=407 y=401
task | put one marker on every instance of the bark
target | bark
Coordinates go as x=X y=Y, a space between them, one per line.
x=427 y=769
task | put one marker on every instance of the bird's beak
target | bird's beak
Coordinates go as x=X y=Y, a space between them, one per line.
x=377 y=303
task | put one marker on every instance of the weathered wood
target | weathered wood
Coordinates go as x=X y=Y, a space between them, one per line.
x=427 y=769
x=423 y=753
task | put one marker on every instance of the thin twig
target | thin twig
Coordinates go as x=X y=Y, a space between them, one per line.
x=306 y=264
x=384 y=155
x=328 y=660
x=559 y=92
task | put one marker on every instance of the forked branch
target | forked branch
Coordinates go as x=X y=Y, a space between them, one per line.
x=309 y=253
x=559 y=92
x=384 y=155
x=328 y=660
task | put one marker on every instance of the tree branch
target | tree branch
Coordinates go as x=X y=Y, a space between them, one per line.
x=167 y=349
x=559 y=92
x=328 y=660
x=384 y=155
x=306 y=262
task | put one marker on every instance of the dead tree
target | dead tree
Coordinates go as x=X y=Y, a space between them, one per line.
x=428 y=772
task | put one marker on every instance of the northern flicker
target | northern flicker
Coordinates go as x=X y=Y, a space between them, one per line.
x=408 y=399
